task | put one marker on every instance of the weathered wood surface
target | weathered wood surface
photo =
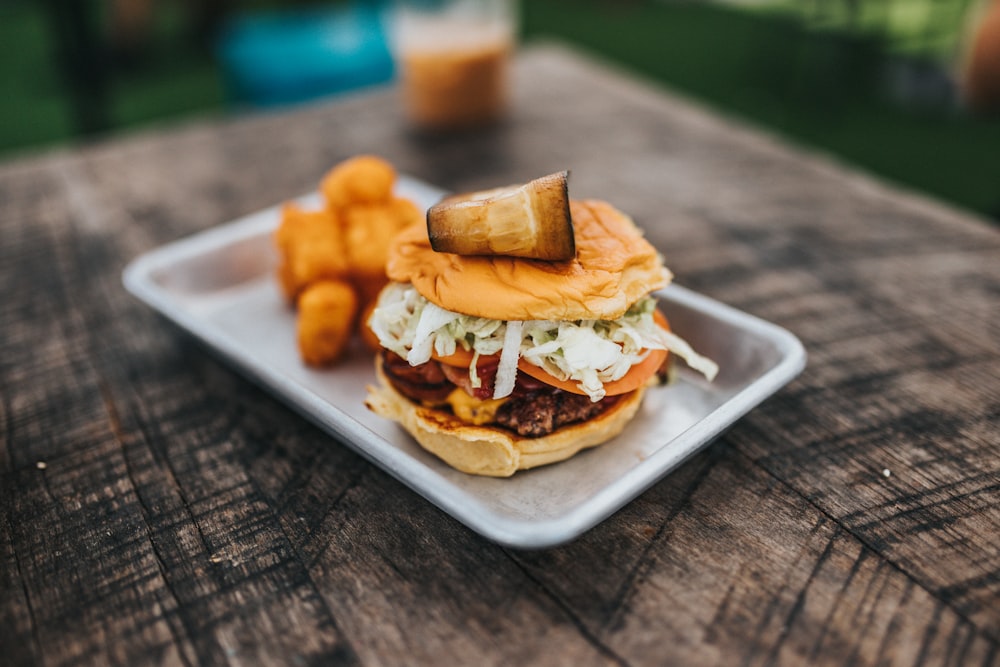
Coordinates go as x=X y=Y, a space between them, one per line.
x=157 y=508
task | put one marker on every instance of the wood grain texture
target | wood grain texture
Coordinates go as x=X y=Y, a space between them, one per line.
x=159 y=509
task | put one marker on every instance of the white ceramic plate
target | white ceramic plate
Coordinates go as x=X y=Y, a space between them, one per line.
x=219 y=285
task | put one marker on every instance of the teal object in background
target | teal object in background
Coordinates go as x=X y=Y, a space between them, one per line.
x=286 y=56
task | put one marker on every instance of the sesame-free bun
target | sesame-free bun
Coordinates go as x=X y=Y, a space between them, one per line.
x=613 y=268
x=493 y=451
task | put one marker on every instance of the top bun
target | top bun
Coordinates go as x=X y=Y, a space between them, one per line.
x=614 y=267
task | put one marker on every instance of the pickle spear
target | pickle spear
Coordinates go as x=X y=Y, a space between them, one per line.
x=530 y=220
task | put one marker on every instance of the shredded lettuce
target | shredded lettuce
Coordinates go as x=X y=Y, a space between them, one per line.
x=588 y=352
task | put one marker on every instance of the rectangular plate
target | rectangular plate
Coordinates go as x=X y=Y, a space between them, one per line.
x=219 y=285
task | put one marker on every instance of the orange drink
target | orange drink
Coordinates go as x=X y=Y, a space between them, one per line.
x=453 y=64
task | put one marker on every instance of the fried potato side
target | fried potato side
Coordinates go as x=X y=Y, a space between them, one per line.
x=365 y=179
x=405 y=212
x=332 y=261
x=367 y=227
x=311 y=247
x=327 y=312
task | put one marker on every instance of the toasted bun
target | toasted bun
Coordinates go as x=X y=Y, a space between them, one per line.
x=613 y=268
x=495 y=452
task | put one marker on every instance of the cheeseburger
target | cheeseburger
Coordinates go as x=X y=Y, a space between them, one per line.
x=497 y=363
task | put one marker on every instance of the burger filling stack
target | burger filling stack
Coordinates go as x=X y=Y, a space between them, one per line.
x=518 y=327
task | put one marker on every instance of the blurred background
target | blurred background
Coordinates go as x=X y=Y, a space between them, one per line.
x=906 y=89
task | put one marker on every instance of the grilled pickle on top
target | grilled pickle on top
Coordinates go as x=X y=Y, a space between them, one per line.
x=530 y=220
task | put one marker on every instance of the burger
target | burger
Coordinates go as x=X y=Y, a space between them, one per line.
x=497 y=363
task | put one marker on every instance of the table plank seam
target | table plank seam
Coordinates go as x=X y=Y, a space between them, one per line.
x=578 y=623
x=886 y=559
x=115 y=424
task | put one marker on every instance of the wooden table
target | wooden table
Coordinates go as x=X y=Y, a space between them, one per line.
x=158 y=508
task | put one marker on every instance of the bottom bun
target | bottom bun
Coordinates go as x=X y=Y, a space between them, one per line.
x=493 y=451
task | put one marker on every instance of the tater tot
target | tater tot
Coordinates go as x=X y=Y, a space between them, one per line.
x=368 y=230
x=405 y=212
x=365 y=179
x=327 y=313
x=311 y=246
x=331 y=262
x=286 y=280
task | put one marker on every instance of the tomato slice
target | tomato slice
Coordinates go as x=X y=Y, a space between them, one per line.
x=463 y=359
x=637 y=376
